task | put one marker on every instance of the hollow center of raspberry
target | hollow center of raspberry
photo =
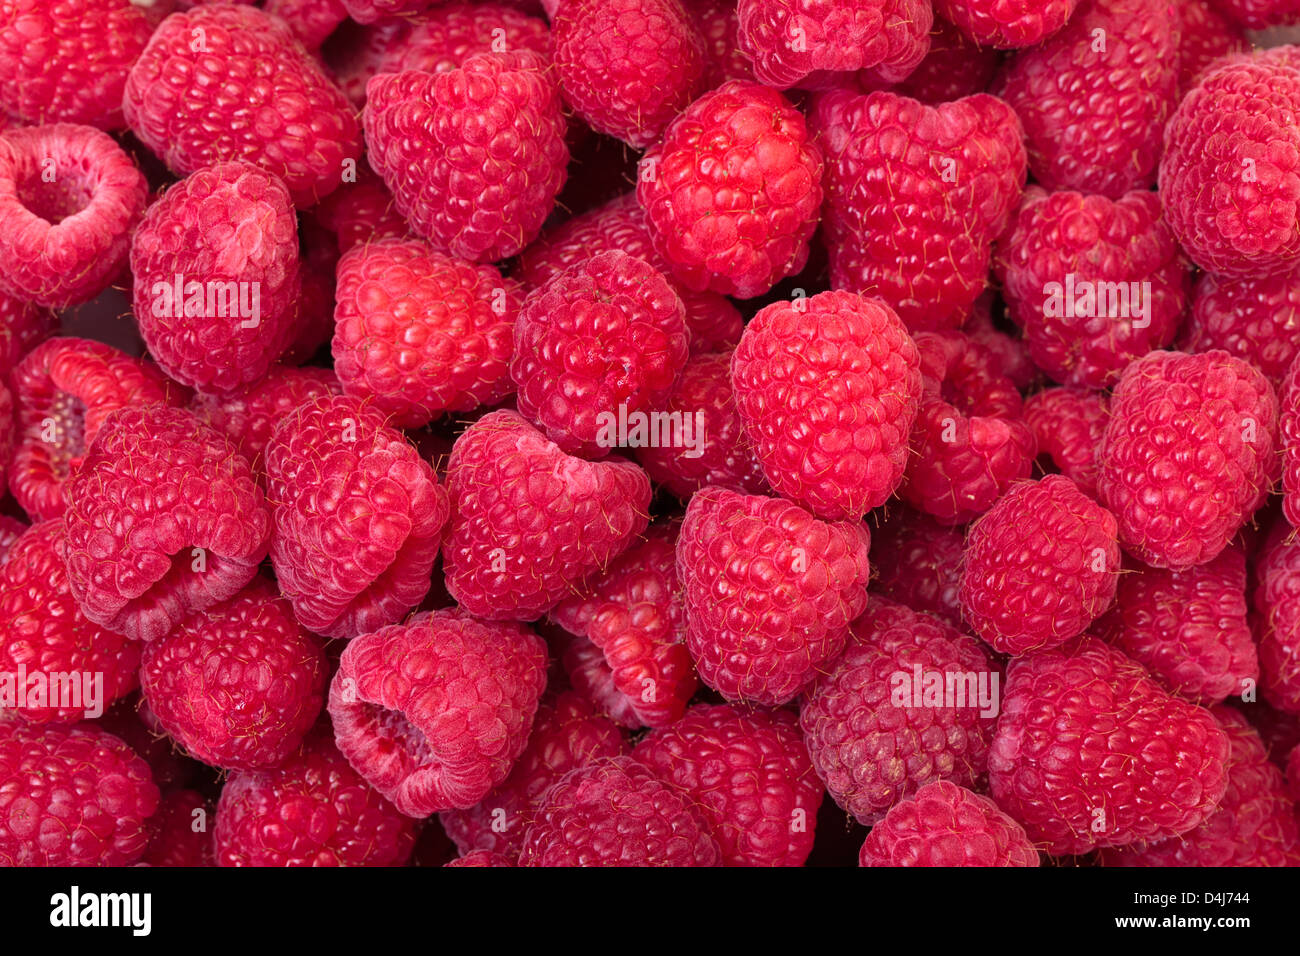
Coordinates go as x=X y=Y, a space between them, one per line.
x=392 y=725
x=53 y=197
x=68 y=414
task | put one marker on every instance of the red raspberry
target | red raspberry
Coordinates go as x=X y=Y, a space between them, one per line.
x=1094 y=104
x=1068 y=424
x=358 y=516
x=435 y=713
x=732 y=192
x=1258 y=14
x=567 y=734
x=871 y=743
x=312 y=21
x=1277 y=609
x=770 y=591
x=1230 y=175
x=530 y=523
x=1007 y=25
x=1188 y=628
x=1289 y=431
x=419 y=333
x=750 y=776
x=956 y=66
x=239 y=684
x=627 y=67
x=1204 y=36
x=838 y=450
x=943 y=824
x=368 y=11
x=223 y=83
x=965 y=165
x=969 y=442
x=723 y=57
x=720 y=454
x=634 y=613
x=480 y=858
x=791 y=39
x=1094 y=282
x=64 y=240
x=917 y=562
x=44 y=635
x=592 y=679
x=1256 y=319
x=23 y=326
x=603 y=341
x=164 y=519
x=313 y=810
x=474 y=156
x=1254 y=824
x=216 y=277
x=182 y=835
x=616 y=812
x=1188 y=454
x=1066 y=714
x=71 y=796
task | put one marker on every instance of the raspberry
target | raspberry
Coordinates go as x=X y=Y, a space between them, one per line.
x=791 y=39
x=1254 y=824
x=312 y=21
x=23 y=326
x=750 y=776
x=313 y=810
x=943 y=824
x=529 y=523
x=871 y=743
x=44 y=635
x=604 y=340
x=1066 y=714
x=64 y=239
x=917 y=562
x=223 y=83
x=720 y=27
x=1188 y=454
x=616 y=812
x=361 y=212
x=964 y=165
x=634 y=613
x=474 y=156
x=1289 y=430
x=164 y=519
x=1007 y=25
x=969 y=442
x=480 y=858
x=435 y=713
x=733 y=190
x=419 y=333
x=592 y=679
x=719 y=454
x=216 y=277
x=1093 y=110
x=358 y=516
x=1254 y=319
x=239 y=684
x=181 y=836
x=1188 y=628
x=1204 y=36
x=1230 y=174
x=567 y=734
x=955 y=67
x=1094 y=282
x=770 y=591
x=1068 y=424
x=1277 y=607
x=838 y=450
x=71 y=796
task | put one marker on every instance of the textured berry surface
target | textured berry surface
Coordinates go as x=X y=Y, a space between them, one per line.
x=1003 y=25
x=955 y=67
x=1277 y=607
x=1254 y=319
x=1204 y=35
x=1068 y=424
x=23 y=326
x=591 y=677
x=312 y=21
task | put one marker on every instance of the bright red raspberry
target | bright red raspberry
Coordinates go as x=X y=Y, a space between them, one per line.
x=1065 y=715
x=217 y=277
x=1230 y=174
x=956 y=66
x=64 y=239
x=1094 y=282
x=312 y=810
x=733 y=191
x=1204 y=36
x=917 y=562
x=1188 y=455
x=790 y=40
x=23 y=326
x=73 y=669
x=474 y=156
x=1007 y=26
x=592 y=679
x=599 y=344
x=480 y=858
x=749 y=774
x=770 y=591
x=943 y=824
x=223 y=83
x=529 y=523
x=839 y=450
x=435 y=713
x=358 y=517
x=616 y=812
x=182 y=831
x=567 y=733
x=1068 y=424
x=1252 y=318
x=312 y=21
x=1277 y=609
x=970 y=441
x=872 y=733
x=71 y=796
x=720 y=26
x=418 y=333
x=964 y=164
x=164 y=519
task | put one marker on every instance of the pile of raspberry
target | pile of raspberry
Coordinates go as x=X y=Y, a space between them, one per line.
x=649 y=433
